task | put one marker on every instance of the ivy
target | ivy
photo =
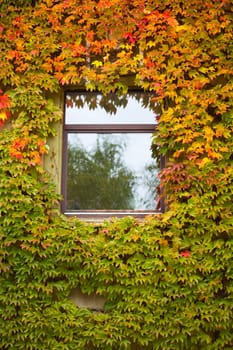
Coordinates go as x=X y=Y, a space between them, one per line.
x=167 y=280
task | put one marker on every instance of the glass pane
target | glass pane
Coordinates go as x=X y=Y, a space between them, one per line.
x=110 y=171
x=92 y=108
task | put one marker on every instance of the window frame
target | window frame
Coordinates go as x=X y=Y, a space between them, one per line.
x=96 y=214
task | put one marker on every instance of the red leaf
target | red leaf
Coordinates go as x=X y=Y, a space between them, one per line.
x=4 y=101
x=185 y=253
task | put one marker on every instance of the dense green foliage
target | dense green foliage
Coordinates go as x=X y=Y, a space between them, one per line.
x=163 y=290
x=167 y=280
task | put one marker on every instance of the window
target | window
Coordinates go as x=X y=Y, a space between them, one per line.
x=108 y=169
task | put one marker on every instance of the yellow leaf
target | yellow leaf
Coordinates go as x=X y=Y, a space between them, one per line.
x=220 y=129
x=209 y=133
x=135 y=237
x=203 y=162
x=97 y=63
x=178 y=153
x=184 y=27
x=3 y=116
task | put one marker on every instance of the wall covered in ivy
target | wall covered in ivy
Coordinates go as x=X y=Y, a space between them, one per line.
x=167 y=280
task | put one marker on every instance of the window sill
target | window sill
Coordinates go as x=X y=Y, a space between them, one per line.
x=100 y=215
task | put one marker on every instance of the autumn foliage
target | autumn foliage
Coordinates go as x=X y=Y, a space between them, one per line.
x=168 y=279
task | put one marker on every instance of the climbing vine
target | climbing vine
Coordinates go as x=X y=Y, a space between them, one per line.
x=167 y=280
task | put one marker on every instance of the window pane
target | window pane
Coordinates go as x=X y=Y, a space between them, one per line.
x=94 y=108
x=110 y=171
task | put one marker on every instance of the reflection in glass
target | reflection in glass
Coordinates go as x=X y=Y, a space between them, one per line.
x=93 y=108
x=110 y=171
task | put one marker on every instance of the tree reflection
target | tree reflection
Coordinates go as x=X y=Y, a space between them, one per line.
x=99 y=178
x=112 y=101
x=150 y=182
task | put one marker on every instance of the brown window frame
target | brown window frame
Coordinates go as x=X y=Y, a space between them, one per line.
x=100 y=215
